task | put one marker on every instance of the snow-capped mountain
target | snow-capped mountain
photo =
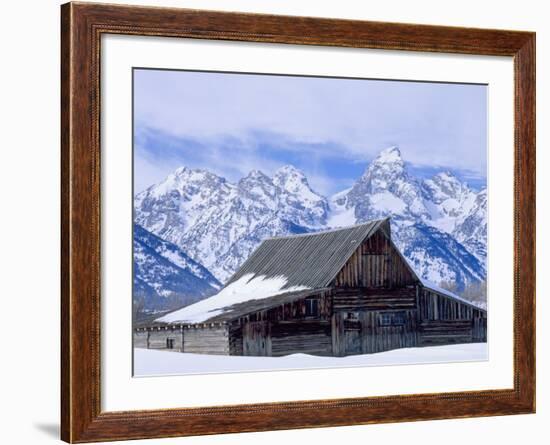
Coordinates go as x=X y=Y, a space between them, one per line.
x=164 y=276
x=439 y=223
x=298 y=203
x=471 y=228
x=438 y=257
x=386 y=188
x=451 y=200
x=219 y=223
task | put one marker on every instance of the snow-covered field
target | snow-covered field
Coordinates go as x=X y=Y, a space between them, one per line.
x=148 y=362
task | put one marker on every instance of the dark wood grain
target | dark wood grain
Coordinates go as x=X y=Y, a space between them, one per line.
x=82 y=26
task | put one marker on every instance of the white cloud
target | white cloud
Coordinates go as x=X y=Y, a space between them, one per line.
x=434 y=124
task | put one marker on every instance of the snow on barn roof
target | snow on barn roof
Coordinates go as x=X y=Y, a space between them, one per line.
x=229 y=299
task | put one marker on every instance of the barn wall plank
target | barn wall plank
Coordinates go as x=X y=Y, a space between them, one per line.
x=206 y=340
x=158 y=339
x=141 y=339
x=447 y=321
x=375 y=264
x=305 y=337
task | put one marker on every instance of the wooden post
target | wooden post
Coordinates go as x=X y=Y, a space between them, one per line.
x=337 y=329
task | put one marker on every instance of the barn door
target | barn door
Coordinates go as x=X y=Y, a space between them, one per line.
x=352 y=334
x=256 y=339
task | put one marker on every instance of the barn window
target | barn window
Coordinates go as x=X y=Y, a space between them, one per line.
x=391 y=319
x=398 y=318
x=312 y=307
x=385 y=319
x=352 y=315
x=170 y=343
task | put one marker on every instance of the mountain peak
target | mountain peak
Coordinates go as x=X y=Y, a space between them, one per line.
x=186 y=175
x=299 y=197
x=388 y=165
x=287 y=170
x=258 y=184
x=290 y=178
x=386 y=188
x=185 y=181
x=256 y=174
x=446 y=175
x=186 y=171
x=389 y=155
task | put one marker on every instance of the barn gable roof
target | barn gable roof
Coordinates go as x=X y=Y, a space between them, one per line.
x=281 y=268
x=312 y=260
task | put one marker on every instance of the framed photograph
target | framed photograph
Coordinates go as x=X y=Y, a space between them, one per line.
x=274 y=222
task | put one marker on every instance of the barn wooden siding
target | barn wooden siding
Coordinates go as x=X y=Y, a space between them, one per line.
x=275 y=331
x=235 y=339
x=356 y=327
x=141 y=338
x=360 y=332
x=350 y=299
x=157 y=338
x=375 y=280
x=376 y=263
x=305 y=337
x=200 y=339
x=293 y=310
x=349 y=321
x=284 y=329
x=444 y=320
x=425 y=318
x=206 y=339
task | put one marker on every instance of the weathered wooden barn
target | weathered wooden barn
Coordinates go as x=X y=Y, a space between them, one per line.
x=336 y=293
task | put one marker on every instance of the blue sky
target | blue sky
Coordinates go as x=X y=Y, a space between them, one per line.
x=329 y=128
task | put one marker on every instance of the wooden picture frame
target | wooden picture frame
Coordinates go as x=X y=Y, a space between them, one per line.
x=82 y=25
